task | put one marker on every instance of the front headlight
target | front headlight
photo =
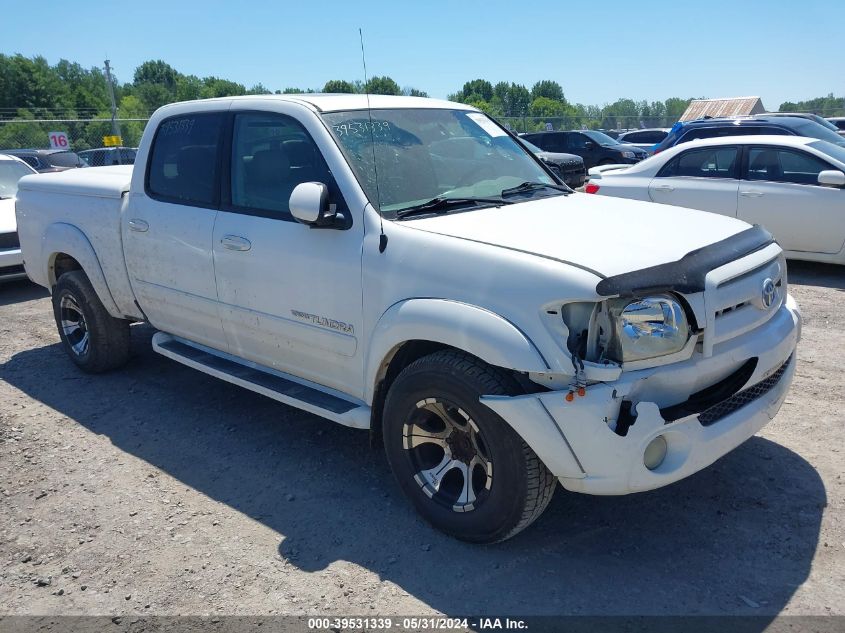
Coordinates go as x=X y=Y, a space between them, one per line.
x=629 y=155
x=646 y=328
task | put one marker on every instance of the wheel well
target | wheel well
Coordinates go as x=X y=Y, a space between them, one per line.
x=62 y=263
x=400 y=357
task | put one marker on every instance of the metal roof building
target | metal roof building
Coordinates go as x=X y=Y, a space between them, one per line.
x=730 y=106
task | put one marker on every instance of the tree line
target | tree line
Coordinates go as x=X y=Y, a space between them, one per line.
x=31 y=88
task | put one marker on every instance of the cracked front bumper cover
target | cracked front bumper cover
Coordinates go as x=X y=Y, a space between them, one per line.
x=577 y=442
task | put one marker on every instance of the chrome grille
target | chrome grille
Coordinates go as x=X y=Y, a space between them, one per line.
x=734 y=297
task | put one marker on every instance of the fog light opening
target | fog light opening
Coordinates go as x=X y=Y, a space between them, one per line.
x=655 y=452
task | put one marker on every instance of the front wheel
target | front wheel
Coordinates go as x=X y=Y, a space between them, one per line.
x=466 y=471
x=94 y=339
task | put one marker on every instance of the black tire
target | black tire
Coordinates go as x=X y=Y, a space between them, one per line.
x=94 y=340
x=504 y=499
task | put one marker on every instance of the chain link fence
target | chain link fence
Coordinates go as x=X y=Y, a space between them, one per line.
x=610 y=122
x=81 y=134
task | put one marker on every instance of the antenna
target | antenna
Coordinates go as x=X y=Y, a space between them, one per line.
x=382 y=242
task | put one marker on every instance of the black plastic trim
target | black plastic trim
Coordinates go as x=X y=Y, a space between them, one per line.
x=687 y=274
x=712 y=395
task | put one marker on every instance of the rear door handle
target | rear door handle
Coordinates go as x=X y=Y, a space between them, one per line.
x=664 y=188
x=751 y=194
x=138 y=225
x=235 y=243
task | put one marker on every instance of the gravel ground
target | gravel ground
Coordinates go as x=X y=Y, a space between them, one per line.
x=158 y=490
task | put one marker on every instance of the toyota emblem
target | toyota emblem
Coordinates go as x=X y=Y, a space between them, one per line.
x=769 y=292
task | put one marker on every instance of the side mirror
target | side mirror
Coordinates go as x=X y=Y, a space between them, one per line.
x=309 y=203
x=832 y=178
x=589 y=145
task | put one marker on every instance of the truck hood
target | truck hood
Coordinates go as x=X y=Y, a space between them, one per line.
x=7 y=216
x=607 y=236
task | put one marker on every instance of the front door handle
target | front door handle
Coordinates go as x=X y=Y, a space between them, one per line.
x=664 y=188
x=235 y=243
x=751 y=194
x=138 y=225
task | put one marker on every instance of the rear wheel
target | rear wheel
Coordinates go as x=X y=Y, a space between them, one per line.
x=94 y=340
x=466 y=471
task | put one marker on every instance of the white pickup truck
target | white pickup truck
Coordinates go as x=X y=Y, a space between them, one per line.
x=404 y=265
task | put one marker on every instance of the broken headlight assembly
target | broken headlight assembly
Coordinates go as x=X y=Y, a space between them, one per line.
x=630 y=331
x=641 y=329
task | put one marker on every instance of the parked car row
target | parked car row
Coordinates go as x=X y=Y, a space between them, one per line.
x=743 y=126
x=12 y=169
x=596 y=148
x=569 y=167
x=108 y=156
x=839 y=122
x=794 y=186
x=51 y=160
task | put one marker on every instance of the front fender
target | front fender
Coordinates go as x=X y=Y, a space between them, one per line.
x=482 y=333
x=66 y=238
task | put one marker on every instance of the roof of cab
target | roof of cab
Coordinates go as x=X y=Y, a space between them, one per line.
x=322 y=102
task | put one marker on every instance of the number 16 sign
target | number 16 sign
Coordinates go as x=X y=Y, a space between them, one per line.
x=58 y=140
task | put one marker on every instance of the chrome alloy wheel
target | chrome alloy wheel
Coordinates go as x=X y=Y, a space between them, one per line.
x=451 y=462
x=73 y=325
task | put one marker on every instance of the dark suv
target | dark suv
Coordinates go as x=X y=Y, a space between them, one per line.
x=594 y=147
x=715 y=128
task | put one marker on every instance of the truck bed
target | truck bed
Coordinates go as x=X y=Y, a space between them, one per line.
x=88 y=203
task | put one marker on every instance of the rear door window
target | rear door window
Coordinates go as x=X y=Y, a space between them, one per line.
x=706 y=162
x=183 y=164
x=554 y=142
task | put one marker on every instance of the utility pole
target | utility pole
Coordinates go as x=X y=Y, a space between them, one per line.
x=115 y=128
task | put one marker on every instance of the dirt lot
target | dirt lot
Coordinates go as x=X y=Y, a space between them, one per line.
x=158 y=490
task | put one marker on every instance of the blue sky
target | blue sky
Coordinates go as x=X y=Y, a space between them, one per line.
x=651 y=49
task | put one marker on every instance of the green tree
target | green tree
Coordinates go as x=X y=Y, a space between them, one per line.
x=413 y=92
x=476 y=90
x=188 y=87
x=675 y=107
x=824 y=106
x=546 y=107
x=383 y=86
x=548 y=89
x=338 y=86
x=216 y=87
x=157 y=72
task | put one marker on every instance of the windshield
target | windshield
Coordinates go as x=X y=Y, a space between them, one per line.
x=409 y=156
x=10 y=172
x=814 y=130
x=834 y=151
x=600 y=138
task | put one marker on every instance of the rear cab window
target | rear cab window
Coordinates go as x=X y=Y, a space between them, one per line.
x=183 y=167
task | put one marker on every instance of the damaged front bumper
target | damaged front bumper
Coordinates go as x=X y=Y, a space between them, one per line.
x=596 y=443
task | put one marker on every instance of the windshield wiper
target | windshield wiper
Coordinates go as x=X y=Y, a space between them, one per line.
x=6 y=197
x=534 y=186
x=442 y=205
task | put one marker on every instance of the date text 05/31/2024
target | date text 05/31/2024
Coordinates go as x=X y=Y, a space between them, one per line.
x=415 y=624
